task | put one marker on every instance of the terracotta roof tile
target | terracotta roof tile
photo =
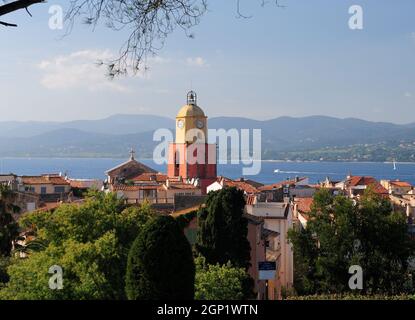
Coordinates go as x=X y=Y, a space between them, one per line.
x=280 y=184
x=85 y=184
x=241 y=185
x=398 y=183
x=304 y=204
x=355 y=181
x=139 y=165
x=122 y=187
x=54 y=180
x=157 y=177
x=182 y=185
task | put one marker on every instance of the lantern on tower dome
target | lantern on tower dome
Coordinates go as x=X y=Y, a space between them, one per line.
x=192 y=98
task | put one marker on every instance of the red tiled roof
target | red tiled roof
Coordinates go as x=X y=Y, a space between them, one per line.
x=378 y=188
x=366 y=181
x=138 y=165
x=360 y=181
x=241 y=185
x=251 y=182
x=280 y=184
x=54 y=180
x=122 y=187
x=220 y=178
x=304 y=204
x=182 y=185
x=157 y=177
x=398 y=183
x=85 y=184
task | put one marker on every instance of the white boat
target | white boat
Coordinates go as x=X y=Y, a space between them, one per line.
x=276 y=170
x=394 y=165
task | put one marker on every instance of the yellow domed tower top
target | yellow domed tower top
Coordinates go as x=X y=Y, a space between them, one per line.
x=190 y=120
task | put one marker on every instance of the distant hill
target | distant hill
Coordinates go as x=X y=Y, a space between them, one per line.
x=116 y=124
x=318 y=131
x=307 y=138
x=77 y=143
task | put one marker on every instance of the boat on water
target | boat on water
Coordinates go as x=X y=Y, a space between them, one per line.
x=276 y=170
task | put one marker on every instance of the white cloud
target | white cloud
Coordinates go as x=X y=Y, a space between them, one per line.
x=196 y=62
x=79 y=70
x=408 y=94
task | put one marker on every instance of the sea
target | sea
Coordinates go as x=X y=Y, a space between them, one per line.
x=271 y=171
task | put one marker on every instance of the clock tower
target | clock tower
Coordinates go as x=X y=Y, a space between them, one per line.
x=190 y=156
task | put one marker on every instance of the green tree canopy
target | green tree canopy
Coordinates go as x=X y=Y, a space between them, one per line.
x=89 y=241
x=220 y=282
x=223 y=229
x=160 y=263
x=341 y=233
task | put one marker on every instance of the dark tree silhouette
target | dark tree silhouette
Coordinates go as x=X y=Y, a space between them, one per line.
x=223 y=230
x=14 y=6
x=160 y=263
x=8 y=227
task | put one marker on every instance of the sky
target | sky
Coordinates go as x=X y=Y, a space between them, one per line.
x=298 y=61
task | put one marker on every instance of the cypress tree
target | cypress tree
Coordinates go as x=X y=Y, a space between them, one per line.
x=8 y=227
x=223 y=230
x=160 y=263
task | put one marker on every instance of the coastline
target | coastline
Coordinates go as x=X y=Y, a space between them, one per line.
x=245 y=160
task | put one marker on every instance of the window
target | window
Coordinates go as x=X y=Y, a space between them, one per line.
x=29 y=188
x=59 y=189
x=43 y=190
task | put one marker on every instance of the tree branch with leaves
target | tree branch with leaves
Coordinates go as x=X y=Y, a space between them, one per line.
x=149 y=22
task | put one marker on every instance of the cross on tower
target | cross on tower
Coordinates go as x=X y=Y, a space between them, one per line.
x=132 y=153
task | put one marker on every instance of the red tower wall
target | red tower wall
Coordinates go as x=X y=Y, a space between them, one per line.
x=192 y=161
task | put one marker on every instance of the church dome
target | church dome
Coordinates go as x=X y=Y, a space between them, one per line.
x=190 y=111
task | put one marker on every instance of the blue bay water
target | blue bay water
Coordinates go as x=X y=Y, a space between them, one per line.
x=317 y=171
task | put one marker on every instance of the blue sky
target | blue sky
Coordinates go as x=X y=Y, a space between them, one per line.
x=298 y=61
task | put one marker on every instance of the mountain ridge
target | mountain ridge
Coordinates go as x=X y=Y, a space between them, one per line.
x=282 y=137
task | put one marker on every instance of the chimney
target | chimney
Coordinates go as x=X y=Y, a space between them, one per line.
x=197 y=182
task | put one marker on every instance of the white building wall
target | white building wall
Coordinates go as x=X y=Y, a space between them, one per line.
x=214 y=187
